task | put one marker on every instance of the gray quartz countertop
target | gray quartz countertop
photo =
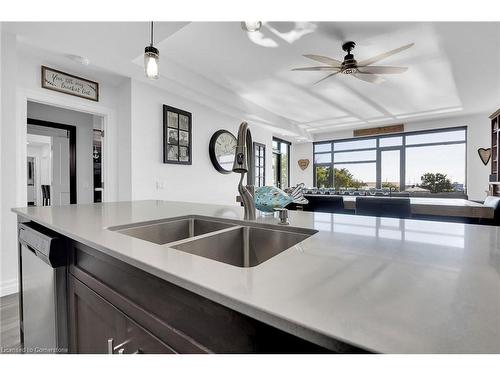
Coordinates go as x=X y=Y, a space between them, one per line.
x=386 y=285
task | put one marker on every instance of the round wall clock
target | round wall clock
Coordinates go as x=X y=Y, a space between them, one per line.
x=222 y=148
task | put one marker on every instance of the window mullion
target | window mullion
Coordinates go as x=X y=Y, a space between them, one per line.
x=378 y=167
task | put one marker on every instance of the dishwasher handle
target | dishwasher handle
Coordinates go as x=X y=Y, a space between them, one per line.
x=47 y=245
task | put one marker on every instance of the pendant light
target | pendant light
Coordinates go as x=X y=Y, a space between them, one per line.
x=151 y=59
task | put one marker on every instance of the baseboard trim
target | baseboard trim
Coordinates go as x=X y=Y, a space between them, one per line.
x=8 y=287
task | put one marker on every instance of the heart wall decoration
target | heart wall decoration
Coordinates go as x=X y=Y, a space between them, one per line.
x=484 y=154
x=303 y=163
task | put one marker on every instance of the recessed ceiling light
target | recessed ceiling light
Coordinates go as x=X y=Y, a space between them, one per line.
x=251 y=26
x=79 y=59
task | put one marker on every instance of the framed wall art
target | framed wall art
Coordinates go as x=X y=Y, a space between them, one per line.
x=177 y=136
x=66 y=83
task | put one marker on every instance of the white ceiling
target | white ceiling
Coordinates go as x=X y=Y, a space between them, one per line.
x=454 y=68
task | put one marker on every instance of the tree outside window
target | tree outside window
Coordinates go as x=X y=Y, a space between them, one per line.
x=436 y=183
x=344 y=179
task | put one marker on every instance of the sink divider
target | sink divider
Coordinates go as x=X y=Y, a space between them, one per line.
x=191 y=228
x=246 y=246
x=205 y=235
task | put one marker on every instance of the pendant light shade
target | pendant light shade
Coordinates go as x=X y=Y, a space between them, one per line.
x=151 y=59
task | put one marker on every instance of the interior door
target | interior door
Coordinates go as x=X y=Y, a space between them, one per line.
x=60 y=189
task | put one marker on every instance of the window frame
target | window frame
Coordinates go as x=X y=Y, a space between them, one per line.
x=379 y=149
x=256 y=146
x=278 y=154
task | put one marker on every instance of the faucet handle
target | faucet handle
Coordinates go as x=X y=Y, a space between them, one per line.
x=239 y=200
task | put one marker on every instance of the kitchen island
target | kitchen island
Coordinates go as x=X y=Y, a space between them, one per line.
x=358 y=283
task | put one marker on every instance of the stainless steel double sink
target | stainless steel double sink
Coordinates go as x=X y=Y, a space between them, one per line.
x=233 y=242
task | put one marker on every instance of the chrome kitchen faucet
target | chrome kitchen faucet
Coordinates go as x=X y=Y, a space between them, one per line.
x=244 y=163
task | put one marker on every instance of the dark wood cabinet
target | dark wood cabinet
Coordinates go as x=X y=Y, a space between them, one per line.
x=109 y=299
x=97 y=327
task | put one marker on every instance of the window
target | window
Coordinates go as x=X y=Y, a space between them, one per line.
x=426 y=164
x=355 y=175
x=354 y=145
x=323 y=176
x=436 y=137
x=390 y=169
x=427 y=161
x=260 y=164
x=355 y=156
x=390 y=141
x=281 y=163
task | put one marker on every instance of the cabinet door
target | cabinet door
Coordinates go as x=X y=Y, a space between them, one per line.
x=96 y=326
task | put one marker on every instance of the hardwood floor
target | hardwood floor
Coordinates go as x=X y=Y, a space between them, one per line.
x=9 y=323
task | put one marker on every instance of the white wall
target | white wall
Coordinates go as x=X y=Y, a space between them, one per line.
x=20 y=80
x=84 y=123
x=198 y=182
x=478 y=135
x=303 y=150
x=2 y=288
x=27 y=74
x=135 y=144
x=8 y=168
x=124 y=139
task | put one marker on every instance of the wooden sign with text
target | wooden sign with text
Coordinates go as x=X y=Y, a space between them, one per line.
x=56 y=80
x=380 y=130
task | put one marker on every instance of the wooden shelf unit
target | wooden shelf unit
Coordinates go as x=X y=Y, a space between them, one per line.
x=495 y=171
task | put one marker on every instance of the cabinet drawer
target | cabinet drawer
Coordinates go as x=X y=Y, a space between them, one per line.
x=96 y=326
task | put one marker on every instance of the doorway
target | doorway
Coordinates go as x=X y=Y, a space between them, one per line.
x=76 y=152
x=51 y=154
x=98 y=135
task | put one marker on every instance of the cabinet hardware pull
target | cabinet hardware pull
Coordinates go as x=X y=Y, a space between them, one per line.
x=119 y=349
x=110 y=346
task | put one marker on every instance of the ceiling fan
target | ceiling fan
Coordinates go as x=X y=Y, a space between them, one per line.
x=363 y=70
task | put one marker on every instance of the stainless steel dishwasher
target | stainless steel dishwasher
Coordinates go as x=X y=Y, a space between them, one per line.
x=43 y=309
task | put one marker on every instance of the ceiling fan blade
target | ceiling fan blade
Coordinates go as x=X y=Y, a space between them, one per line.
x=328 y=76
x=384 y=55
x=368 y=77
x=382 y=69
x=313 y=68
x=325 y=60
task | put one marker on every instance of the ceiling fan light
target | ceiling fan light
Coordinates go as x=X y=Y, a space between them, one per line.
x=251 y=26
x=349 y=71
x=151 y=62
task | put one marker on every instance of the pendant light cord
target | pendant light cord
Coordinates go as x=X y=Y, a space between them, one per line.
x=152 y=25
